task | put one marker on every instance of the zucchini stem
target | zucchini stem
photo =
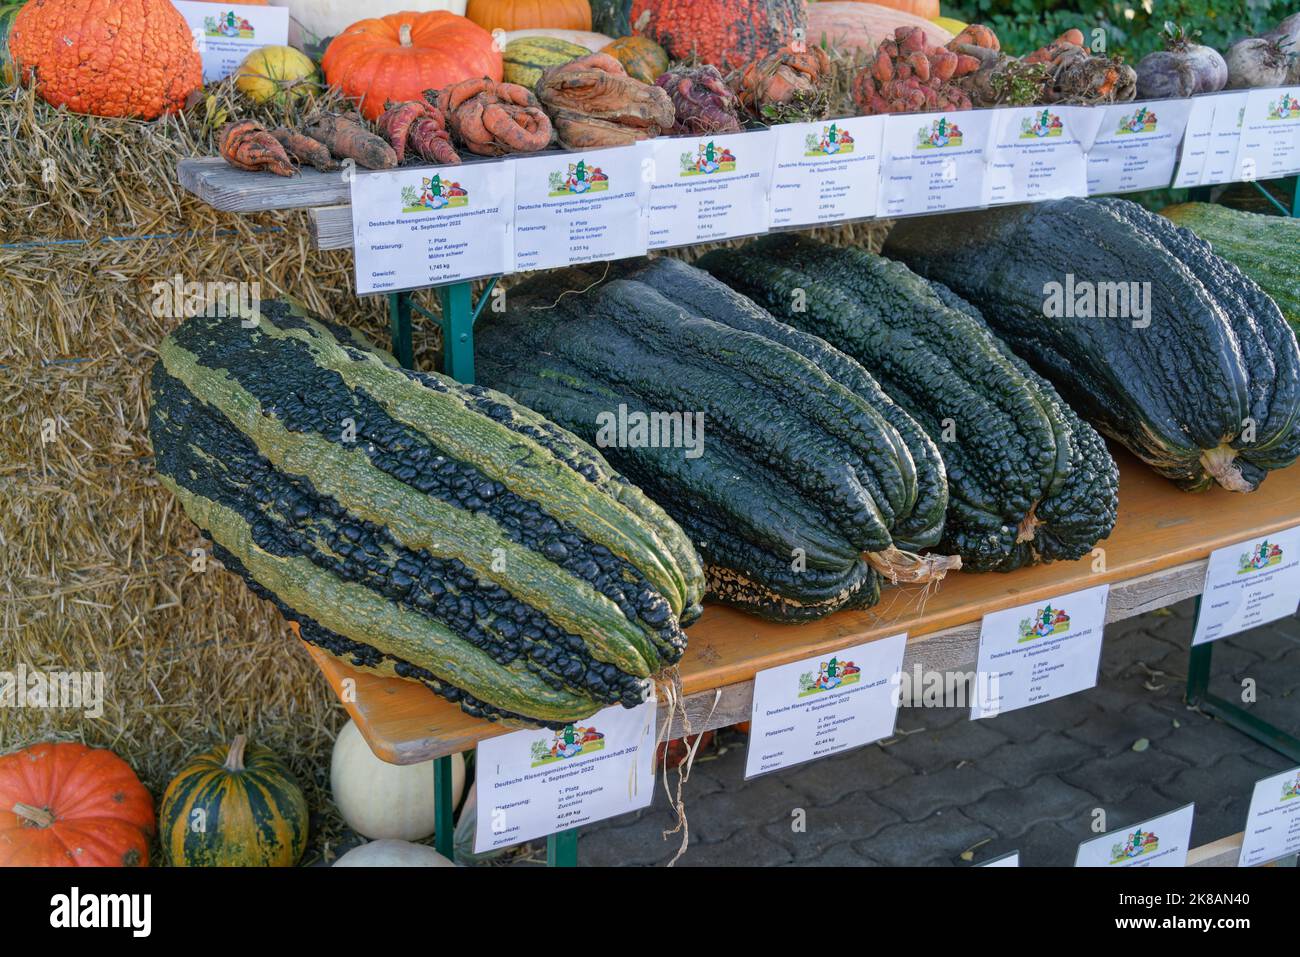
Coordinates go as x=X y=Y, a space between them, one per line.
x=896 y=565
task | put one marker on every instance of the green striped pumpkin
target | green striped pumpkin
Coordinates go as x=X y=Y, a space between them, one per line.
x=417 y=527
x=8 y=13
x=234 y=806
x=526 y=58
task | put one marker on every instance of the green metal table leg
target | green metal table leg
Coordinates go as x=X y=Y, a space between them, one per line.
x=562 y=849
x=443 y=808
x=399 y=319
x=1231 y=713
x=1295 y=197
x=457 y=331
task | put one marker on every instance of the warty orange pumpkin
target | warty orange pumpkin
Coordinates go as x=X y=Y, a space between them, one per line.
x=397 y=57
x=130 y=58
x=726 y=33
x=524 y=14
x=67 y=805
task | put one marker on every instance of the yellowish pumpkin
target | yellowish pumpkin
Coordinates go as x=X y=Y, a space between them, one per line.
x=276 y=73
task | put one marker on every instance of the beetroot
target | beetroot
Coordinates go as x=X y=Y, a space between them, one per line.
x=1183 y=68
x=702 y=100
x=1257 y=62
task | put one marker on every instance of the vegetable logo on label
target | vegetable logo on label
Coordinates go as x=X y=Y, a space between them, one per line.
x=1291 y=789
x=830 y=675
x=1047 y=621
x=1140 y=121
x=1041 y=124
x=708 y=159
x=833 y=141
x=940 y=133
x=434 y=193
x=579 y=178
x=569 y=742
x=228 y=25
x=1261 y=556
x=1139 y=842
x=1286 y=108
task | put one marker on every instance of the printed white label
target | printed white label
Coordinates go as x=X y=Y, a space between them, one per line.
x=931 y=162
x=1160 y=842
x=534 y=783
x=428 y=226
x=824 y=705
x=1137 y=146
x=225 y=33
x=1040 y=153
x=1273 y=824
x=1270 y=135
x=1196 y=143
x=573 y=208
x=1040 y=651
x=709 y=188
x=1249 y=584
x=826 y=172
x=1225 y=138
x=1006 y=860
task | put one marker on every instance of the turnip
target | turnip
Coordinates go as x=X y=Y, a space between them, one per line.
x=1256 y=62
x=1183 y=68
x=1288 y=32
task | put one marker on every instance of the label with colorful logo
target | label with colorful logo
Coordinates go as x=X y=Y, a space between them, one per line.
x=1270 y=135
x=580 y=207
x=224 y=34
x=826 y=172
x=413 y=227
x=1273 y=822
x=1039 y=651
x=705 y=189
x=532 y=783
x=1159 y=842
x=1137 y=146
x=1039 y=153
x=934 y=162
x=824 y=705
x=1285 y=107
x=939 y=133
x=1249 y=584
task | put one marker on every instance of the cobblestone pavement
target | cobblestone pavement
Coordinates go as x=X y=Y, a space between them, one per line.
x=947 y=791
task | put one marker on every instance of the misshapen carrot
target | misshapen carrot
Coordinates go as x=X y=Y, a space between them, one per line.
x=247 y=145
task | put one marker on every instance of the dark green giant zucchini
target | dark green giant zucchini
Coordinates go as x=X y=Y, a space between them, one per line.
x=418 y=527
x=801 y=484
x=1205 y=387
x=1027 y=480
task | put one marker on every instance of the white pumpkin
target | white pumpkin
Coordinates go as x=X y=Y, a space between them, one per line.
x=315 y=20
x=382 y=800
x=393 y=854
x=595 y=42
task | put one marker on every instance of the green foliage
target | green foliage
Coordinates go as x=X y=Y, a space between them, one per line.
x=1130 y=29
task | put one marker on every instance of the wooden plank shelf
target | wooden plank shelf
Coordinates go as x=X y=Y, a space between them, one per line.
x=231 y=190
x=1155 y=557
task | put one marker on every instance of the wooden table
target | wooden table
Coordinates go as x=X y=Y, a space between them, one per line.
x=1155 y=557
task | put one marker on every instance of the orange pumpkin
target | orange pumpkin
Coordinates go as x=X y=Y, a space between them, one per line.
x=107 y=57
x=727 y=34
x=925 y=9
x=397 y=57
x=525 y=14
x=69 y=805
x=643 y=59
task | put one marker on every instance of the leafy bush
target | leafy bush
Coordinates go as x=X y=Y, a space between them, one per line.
x=1132 y=30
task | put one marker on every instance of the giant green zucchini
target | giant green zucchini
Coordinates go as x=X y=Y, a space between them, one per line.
x=800 y=484
x=1150 y=336
x=1265 y=248
x=417 y=527
x=1027 y=480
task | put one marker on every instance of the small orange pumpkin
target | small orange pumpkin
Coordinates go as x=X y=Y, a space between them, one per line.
x=643 y=59
x=131 y=58
x=397 y=57
x=67 y=805
x=525 y=14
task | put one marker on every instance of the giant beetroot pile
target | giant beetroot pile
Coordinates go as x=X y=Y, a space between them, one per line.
x=910 y=75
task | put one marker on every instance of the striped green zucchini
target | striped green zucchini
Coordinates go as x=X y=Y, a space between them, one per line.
x=416 y=526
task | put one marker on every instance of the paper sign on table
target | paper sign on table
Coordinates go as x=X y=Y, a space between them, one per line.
x=1039 y=651
x=1196 y=143
x=826 y=172
x=1160 y=842
x=431 y=225
x=1040 y=153
x=824 y=705
x=1006 y=860
x=1273 y=824
x=226 y=33
x=709 y=188
x=1249 y=584
x=534 y=783
x=931 y=162
x=1270 y=135
x=1225 y=138
x=573 y=208
x=1137 y=146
